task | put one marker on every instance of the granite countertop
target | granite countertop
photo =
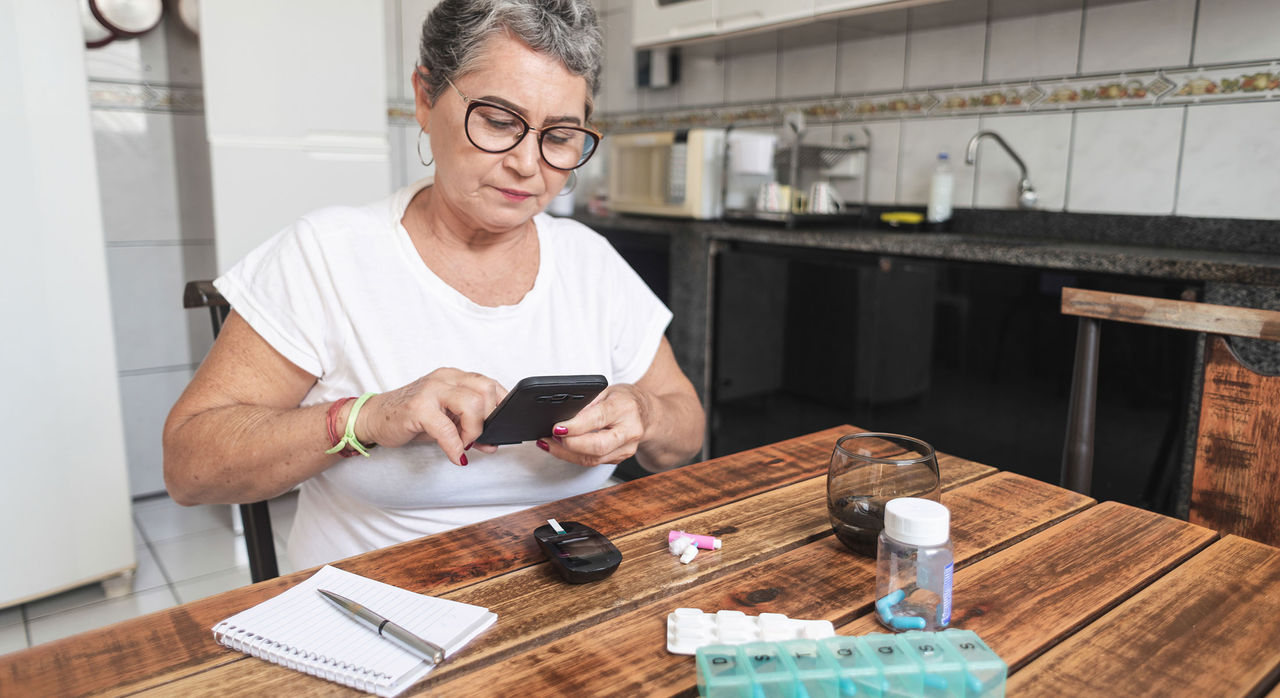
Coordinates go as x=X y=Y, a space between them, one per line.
x=1078 y=243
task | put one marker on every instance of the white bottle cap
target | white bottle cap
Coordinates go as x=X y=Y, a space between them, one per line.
x=917 y=521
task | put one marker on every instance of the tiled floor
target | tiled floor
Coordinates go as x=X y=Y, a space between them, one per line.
x=184 y=554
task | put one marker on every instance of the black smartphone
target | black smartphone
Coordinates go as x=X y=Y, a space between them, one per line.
x=578 y=552
x=534 y=406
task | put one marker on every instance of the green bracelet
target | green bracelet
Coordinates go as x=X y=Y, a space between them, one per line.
x=349 y=436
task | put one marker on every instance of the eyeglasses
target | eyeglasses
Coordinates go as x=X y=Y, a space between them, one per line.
x=496 y=129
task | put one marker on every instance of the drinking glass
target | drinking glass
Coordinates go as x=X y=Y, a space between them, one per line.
x=866 y=471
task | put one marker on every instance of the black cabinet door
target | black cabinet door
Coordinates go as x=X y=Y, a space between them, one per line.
x=975 y=359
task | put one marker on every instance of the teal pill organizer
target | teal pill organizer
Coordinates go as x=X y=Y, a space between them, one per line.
x=949 y=663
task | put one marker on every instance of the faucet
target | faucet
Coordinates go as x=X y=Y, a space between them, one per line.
x=1027 y=196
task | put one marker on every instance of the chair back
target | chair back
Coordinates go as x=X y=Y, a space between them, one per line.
x=256 y=517
x=1236 y=477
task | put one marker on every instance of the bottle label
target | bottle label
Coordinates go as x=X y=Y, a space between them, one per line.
x=944 y=613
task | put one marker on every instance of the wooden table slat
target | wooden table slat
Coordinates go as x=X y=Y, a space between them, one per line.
x=1220 y=609
x=137 y=655
x=534 y=607
x=1077 y=598
x=800 y=583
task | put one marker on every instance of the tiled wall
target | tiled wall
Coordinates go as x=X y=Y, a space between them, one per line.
x=1138 y=106
x=153 y=174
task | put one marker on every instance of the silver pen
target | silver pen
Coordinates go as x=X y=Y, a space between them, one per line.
x=430 y=650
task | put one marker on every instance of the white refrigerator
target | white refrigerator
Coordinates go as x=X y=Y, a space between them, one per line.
x=64 y=494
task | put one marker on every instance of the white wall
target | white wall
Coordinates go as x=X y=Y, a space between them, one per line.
x=64 y=505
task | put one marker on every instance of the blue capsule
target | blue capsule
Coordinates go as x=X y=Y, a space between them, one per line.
x=884 y=605
x=907 y=623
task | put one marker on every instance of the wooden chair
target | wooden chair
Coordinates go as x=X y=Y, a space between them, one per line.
x=256 y=517
x=1236 y=478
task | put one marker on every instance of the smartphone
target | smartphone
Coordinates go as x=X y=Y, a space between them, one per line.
x=534 y=406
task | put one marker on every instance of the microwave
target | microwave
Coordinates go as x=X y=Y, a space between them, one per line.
x=667 y=173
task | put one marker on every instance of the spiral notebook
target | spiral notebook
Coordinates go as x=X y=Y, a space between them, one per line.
x=300 y=630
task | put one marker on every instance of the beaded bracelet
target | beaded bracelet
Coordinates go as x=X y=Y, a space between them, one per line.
x=349 y=440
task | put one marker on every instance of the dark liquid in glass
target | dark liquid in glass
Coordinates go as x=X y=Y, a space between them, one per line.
x=857 y=524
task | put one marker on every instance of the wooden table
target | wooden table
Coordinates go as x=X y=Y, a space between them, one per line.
x=1079 y=598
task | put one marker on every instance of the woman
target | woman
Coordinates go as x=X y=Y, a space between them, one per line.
x=436 y=300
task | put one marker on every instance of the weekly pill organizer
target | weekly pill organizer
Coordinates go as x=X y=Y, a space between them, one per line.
x=948 y=663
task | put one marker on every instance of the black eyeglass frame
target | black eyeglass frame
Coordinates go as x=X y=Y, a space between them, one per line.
x=473 y=104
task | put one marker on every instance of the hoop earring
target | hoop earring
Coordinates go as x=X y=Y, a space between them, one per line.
x=573 y=178
x=421 y=133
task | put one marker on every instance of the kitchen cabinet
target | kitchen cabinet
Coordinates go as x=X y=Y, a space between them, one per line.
x=972 y=358
x=822 y=7
x=666 y=21
x=656 y=22
x=741 y=15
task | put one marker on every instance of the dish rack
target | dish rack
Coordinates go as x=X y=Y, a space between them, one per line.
x=794 y=158
x=813 y=156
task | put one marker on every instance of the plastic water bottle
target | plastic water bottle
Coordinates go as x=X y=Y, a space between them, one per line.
x=940 y=188
x=914 y=563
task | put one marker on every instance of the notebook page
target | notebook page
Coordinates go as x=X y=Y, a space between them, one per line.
x=302 y=630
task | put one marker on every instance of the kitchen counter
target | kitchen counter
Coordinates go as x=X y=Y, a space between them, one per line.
x=1226 y=261
x=1107 y=256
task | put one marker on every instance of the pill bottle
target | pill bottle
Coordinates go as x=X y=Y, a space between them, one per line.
x=914 y=561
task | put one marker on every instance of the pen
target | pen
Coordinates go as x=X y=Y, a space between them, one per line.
x=430 y=650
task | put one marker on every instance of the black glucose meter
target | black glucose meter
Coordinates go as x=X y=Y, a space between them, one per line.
x=579 y=553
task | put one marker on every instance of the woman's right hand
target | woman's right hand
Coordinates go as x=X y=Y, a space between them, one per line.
x=447 y=406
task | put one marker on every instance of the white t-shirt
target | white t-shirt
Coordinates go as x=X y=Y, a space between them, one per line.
x=344 y=295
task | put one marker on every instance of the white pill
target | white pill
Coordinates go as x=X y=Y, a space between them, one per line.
x=774 y=627
x=681 y=544
x=689 y=553
x=817 y=629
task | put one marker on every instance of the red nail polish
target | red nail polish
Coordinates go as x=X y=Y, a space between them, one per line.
x=468 y=446
x=560 y=431
x=543 y=445
x=462 y=460
x=558 y=440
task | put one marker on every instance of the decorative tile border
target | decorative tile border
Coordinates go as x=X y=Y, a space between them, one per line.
x=1238 y=82
x=145 y=97
x=1203 y=85
x=1229 y=83
x=400 y=112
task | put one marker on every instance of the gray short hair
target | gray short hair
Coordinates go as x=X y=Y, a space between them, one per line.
x=454 y=35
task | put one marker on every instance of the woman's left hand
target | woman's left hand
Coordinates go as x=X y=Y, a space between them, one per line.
x=608 y=430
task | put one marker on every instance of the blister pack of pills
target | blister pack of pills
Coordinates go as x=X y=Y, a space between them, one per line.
x=690 y=628
x=947 y=664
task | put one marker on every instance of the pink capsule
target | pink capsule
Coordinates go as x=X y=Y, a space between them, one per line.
x=704 y=542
